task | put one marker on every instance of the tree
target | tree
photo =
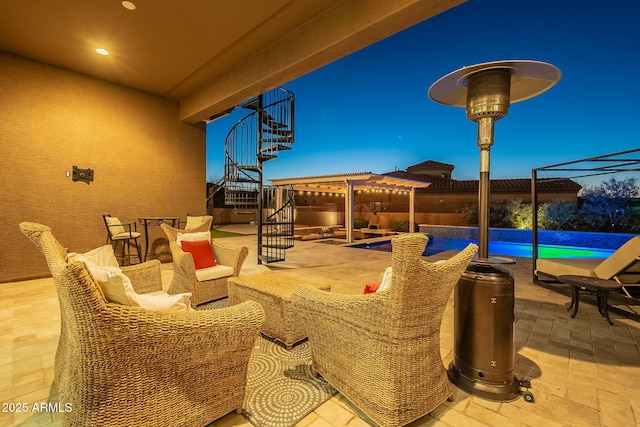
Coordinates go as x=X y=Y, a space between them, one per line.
x=518 y=215
x=557 y=215
x=607 y=207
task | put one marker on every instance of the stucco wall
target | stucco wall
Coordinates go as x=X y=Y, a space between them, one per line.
x=146 y=162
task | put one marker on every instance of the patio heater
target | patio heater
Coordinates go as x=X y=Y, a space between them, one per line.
x=484 y=347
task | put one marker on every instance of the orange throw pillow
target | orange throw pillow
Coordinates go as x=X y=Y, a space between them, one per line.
x=371 y=287
x=202 y=253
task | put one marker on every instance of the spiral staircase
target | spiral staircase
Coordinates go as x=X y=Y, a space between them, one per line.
x=255 y=139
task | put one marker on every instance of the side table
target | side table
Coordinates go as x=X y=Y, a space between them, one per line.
x=601 y=286
x=147 y=221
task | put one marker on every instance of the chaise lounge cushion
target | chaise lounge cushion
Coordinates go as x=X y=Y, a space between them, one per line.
x=568 y=266
x=623 y=265
x=622 y=259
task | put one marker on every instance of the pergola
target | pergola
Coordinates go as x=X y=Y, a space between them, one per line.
x=348 y=184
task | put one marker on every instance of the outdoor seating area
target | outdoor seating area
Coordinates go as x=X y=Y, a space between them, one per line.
x=582 y=369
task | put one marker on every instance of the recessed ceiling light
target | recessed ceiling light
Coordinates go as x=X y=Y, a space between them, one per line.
x=128 y=5
x=102 y=51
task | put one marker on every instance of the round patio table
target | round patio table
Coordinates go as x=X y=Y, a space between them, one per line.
x=602 y=287
x=147 y=221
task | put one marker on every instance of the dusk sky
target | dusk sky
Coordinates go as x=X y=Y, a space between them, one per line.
x=370 y=112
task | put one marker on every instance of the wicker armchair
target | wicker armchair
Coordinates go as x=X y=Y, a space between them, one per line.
x=123 y=366
x=382 y=350
x=199 y=221
x=184 y=271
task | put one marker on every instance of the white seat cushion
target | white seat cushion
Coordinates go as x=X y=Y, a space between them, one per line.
x=126 y=235
x=211 y=273
x=114 y=225
x=117 y=287
x=192 y=237
x=387 y=278
x=102 y=255
x=165 y=302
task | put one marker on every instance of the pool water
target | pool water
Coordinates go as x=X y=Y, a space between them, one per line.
x=524 y=250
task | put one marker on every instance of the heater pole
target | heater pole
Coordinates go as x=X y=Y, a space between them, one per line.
x=485 y=140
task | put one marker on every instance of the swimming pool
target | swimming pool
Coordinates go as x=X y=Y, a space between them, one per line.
x=524 y=250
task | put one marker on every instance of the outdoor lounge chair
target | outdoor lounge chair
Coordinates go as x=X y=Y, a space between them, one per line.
x=623 y=266
x=205 y=284
x=382 y=350
x=120 y=365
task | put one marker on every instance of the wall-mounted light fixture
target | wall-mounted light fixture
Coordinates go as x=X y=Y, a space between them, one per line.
x=85 y=175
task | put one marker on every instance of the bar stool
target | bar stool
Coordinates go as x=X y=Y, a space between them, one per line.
x=124 y=233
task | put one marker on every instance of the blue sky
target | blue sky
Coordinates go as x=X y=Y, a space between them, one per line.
x=370 y=112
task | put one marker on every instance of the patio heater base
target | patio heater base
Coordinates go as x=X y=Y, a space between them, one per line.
x=484 y=349
x=501 y=392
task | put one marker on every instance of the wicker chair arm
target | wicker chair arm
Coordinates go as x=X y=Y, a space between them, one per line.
x=145 y=277
x=230 y=255
x=246 y=316
x=184 y=270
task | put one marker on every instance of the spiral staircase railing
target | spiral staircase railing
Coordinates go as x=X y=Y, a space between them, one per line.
x=256 y=138
x=277 y=228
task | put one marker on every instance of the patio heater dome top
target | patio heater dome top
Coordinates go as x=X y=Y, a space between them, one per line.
x=528 y=79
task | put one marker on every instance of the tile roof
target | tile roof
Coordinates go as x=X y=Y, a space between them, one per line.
x=431 y=164
x=439 y=184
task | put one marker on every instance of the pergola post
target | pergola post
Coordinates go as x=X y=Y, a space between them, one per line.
x=349 y=206
x=412 y=210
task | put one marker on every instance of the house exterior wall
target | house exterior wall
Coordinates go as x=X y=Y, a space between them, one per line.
x=145 y=160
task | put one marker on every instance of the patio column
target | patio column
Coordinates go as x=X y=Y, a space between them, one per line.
x=348 y=208
x=412 y=210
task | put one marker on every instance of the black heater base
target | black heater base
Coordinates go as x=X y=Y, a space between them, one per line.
x=498 y=392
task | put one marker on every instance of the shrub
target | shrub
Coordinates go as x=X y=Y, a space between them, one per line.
x=403 y=226
x=360 y=223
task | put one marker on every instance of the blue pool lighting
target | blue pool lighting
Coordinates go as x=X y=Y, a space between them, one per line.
x=524 y=250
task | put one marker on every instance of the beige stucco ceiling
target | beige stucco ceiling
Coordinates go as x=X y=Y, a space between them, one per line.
x=208 y=54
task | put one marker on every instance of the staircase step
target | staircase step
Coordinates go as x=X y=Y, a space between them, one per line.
x=282 y=132
x=270 y=121
x=267 y=157
x=241 y=181
x=268 y=259
x=279 y=246
x=276 y=143
x=252 y=104
x=277 y=236
x=251 y=168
